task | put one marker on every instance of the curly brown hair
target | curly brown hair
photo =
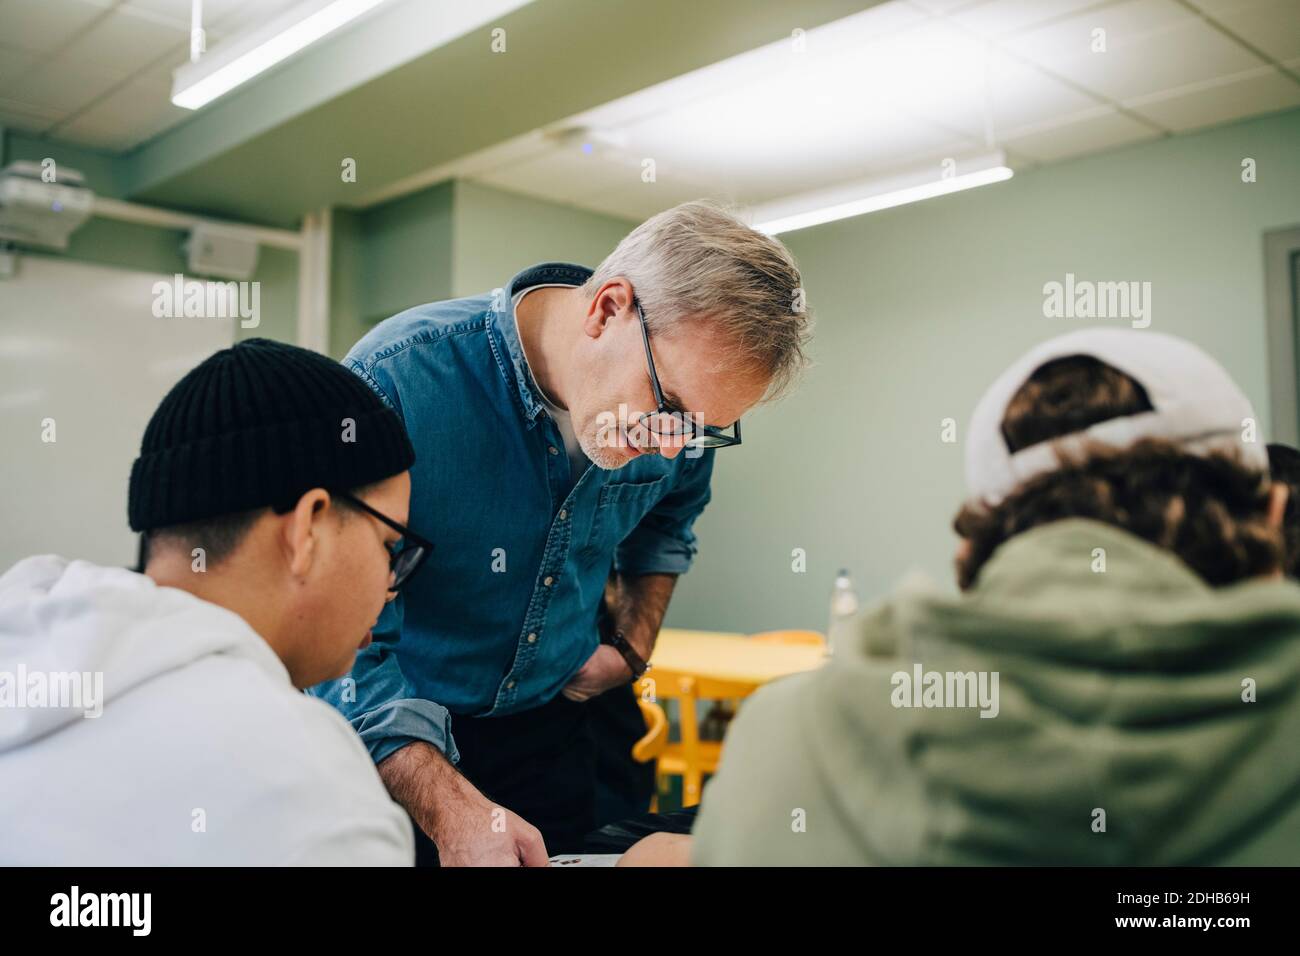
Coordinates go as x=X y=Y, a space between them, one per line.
x=1211 y=511
x=1284 y=466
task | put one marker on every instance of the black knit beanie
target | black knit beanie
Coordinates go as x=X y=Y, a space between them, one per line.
x=258 y=425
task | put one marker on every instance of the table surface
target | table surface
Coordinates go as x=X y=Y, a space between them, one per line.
x=730 y=657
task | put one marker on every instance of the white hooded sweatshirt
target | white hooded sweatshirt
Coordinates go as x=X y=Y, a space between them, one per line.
x=202 y=753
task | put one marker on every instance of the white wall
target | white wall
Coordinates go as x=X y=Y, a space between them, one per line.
x=79 y=344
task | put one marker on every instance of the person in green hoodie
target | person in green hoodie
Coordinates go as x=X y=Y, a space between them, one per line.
x=1117 y=684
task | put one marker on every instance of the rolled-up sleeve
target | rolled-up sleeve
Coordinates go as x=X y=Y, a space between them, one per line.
x=377 y=698
x=664 y=542
x=381 y=704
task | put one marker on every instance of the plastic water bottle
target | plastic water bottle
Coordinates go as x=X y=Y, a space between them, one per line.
x=844 y=608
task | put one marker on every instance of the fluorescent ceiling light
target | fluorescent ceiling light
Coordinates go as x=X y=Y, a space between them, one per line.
x=857 y=199
x=216 y=74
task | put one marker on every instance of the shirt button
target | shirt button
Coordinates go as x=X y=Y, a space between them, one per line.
x=532 y=638
x=563 y=514
x=548 y=580
x=553 y=450
x=510 y=685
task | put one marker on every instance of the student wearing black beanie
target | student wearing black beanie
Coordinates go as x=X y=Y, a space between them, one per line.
x=253 y=466
x=272 y=490
x=256 y=425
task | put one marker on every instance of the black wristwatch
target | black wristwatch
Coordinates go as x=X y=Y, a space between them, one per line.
x=634 y=660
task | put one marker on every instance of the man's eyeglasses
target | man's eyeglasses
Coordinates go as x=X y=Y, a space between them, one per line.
x=669 y=424
x=407 y=555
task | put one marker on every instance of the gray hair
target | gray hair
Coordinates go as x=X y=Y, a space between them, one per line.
x=699 y=262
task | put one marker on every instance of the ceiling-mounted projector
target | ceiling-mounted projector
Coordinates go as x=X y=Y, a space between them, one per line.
x=586 y=138
x=36 y=213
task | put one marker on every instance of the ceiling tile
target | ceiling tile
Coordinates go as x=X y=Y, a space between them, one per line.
x=130 y=114
x=1273 y=26
x=93 y=133
x=1072 y=36
x=1151 y=46
x=27 y=116
x=162 y=12
x=943 y=6
x=641 y=204
x=15 y=64
x=101 y=46
x=1019 y=94
x=44 y=26
x=1004 y=16
x=66 y=85
x=1259 y=91
x=1096 y=130
x=177 y=12
x=124 y=43
x=567 y=172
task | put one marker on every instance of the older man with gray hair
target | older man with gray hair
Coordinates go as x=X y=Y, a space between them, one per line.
x=484 y=692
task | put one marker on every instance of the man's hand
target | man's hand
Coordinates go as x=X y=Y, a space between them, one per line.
x=467 y=827
x=473 y=831
x=603 y=670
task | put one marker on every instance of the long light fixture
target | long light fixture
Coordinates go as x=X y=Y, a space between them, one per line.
x=857 y=199
x=197 y=84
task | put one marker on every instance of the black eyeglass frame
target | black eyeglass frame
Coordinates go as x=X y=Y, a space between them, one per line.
x=410 y=542
x=711 y=435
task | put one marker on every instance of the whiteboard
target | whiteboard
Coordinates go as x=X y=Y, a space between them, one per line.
x=79 y=344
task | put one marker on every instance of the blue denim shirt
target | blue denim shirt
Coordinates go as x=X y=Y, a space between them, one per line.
x=503 y=613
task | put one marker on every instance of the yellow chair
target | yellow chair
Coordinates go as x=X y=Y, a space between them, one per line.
x=691 y=758
x=654 y=742
x=656 y=736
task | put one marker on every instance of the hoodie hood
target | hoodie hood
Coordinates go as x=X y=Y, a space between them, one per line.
x=1138 y=716
x=74 y=636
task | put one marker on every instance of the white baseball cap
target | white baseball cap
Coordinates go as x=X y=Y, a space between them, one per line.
x=1195 y=404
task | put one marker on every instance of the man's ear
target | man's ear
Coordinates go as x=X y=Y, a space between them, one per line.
x=611 y=299
x=301 y=530
x=1278 y=493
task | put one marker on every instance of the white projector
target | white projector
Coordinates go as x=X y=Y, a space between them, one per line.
x=37 y=213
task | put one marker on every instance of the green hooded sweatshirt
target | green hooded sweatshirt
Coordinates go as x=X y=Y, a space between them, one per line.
x=1142 y=718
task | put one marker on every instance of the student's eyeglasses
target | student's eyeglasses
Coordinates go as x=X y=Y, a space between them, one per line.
x=406 y=556
x=670 y=423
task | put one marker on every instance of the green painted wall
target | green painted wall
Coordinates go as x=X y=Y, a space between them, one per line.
x=407 y=252
x=497 y=233
x=347 y=298
x=386 y=259
x=919 y=308
x=452 y=239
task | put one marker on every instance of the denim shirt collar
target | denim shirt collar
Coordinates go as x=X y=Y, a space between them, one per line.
x=505 y=325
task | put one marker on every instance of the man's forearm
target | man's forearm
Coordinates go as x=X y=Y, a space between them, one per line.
x=639 y=603
x=414 y=775
x=466 y=827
